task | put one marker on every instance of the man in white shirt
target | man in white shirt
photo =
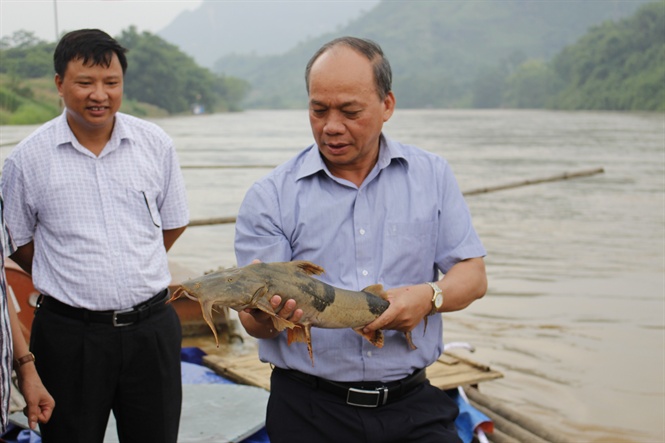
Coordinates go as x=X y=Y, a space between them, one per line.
x=95 y=199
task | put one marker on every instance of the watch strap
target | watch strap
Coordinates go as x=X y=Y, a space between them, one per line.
x=437 y=290
x=24 y=360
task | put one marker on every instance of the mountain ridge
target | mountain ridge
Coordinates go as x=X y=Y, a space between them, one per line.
x=437 y=49
x=268 y=27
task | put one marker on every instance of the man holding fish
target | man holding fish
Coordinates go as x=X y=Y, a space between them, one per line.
x=368 y=210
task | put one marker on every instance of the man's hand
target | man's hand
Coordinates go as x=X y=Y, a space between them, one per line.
x=408 y=306
x=464 y=283
x=39 y=402
x=259 y=324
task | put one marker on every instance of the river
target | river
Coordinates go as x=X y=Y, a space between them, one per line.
x=574 y=316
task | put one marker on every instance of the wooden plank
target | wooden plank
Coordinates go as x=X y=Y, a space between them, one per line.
x=451 y=371
x=448 y=372
x=244 y=369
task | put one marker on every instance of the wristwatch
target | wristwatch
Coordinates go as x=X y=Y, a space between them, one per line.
x=437 y=298
x=23 y=360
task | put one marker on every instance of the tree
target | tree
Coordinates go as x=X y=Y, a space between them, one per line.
x=531 y=86
x=618 y=66
x=25 y=56
x=162 y=75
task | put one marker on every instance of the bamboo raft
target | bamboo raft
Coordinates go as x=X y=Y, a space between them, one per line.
x=448 y=372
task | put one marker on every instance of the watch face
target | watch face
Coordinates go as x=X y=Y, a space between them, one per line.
x=438 y=301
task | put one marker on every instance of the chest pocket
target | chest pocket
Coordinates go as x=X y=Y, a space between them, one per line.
x=144 y=204
x=409 y=249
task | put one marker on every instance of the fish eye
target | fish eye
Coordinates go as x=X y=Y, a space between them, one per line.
x=229 y=279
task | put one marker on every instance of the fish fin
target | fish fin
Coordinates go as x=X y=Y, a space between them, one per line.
x=377 y=290
x=375 y=338
x=296 y=334
x=206 y=309
x=409 y=341
x=280 y=323
x=302 y=334
x=179 y=293
x=308 y=268
x=308 y=336
x=176 y=294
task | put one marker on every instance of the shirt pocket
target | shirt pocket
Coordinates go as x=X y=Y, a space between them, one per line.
x=409 y=251
x=144 y=204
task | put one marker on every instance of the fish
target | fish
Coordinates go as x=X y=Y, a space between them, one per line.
x=323 y=305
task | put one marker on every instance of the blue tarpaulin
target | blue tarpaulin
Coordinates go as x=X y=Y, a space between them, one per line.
x=470 y=419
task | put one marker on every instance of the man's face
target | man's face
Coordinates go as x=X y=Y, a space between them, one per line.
x=345 y=111
x=92 y=94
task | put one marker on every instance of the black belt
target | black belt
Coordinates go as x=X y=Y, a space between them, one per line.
x=367 y=394
x=122 y=317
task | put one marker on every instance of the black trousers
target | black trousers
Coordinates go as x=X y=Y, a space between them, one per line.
x=91 y=369
x=300 y=413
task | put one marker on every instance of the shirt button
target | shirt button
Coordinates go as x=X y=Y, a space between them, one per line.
x=362 y=232
x=369 y=353
x=365 y=272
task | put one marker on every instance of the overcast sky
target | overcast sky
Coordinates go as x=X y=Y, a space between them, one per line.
x=112 y=16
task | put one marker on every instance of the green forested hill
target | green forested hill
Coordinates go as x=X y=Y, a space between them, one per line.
x=160 y=80
x=618 y=66
x=575 y=54
x=444 y=53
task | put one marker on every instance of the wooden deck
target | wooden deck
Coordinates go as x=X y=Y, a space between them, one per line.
x=448 y=372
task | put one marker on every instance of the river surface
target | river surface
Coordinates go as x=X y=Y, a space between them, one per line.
x=575 y=312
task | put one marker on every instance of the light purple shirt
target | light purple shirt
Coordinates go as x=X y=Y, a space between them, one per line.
x=96 y=221
x=406 y=222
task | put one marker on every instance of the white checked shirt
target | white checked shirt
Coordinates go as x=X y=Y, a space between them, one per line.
x=96 y=221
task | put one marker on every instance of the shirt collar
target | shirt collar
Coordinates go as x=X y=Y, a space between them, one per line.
x=388 y=151
x=65 y=136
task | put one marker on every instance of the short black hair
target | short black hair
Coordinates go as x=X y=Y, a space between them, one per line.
x=93 y=46
x=383 y=75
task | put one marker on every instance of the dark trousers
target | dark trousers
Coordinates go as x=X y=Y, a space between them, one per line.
x=91 y=369
x=298 y=412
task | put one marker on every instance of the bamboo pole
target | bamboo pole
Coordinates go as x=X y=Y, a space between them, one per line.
x=500 y=437
x=227 y=167
x=498 y=411
x=505 y=429
x=212 y=221
x=558 y=177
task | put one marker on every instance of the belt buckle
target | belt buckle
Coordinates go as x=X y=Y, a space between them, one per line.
x=116 y=323
x=375 y=393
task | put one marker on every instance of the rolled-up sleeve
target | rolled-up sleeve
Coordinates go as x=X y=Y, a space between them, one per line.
x=19 y=214
x=258 y=235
